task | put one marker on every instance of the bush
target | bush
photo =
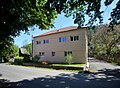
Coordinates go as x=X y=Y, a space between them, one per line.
x=26 y=58
x=36 y=58
x=69 y=59
x=17 y=60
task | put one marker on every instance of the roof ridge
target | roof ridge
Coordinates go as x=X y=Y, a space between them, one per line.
x=58 y=30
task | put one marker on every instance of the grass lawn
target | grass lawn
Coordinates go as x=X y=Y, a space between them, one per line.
x=71 y=65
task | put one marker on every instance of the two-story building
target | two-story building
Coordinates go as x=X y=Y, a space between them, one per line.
x=55 y=45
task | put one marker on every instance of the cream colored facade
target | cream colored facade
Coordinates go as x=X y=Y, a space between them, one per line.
x=78 y=46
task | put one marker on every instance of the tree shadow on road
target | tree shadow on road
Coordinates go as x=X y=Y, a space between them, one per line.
x=103 y=79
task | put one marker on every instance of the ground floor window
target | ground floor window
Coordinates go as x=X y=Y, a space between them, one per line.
x=67 y=53
x=53 y=53
x=41 y=53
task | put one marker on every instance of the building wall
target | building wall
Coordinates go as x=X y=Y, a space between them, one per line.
x=78 y=48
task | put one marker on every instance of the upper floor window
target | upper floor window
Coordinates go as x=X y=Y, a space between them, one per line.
x=38 y=42
x=74 y=38
x=45 y=41
x=64 y=39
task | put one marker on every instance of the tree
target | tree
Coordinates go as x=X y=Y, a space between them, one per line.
x=10 y=51
x=18 y=15
x=79 y=9
x=28 y=47
x=105 y=41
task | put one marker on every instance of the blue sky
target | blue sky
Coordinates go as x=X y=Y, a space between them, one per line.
x=60 y=22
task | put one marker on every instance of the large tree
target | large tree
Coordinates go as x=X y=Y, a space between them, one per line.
x=9 y=51
x=105 y=42
x=28 y=47
x=79 y=9
x=18 y=15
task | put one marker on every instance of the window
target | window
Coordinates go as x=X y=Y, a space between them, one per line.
x=71 y=38
x=45 y=41
x=77 y=37
x=38 y=42
x=41 y=53
x=62 y=39
x=53 y=53
x=67 y=53
x=74 y=38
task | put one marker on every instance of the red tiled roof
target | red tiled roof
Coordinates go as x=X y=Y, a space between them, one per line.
x=58 y=31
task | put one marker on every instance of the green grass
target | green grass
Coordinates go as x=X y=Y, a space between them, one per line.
x=17 y=57
x=63 y=69
x=71 y=65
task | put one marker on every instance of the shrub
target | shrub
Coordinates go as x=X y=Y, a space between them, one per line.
x=26 y=58
x=18 y=60
x=69 y=59
x=36 y=58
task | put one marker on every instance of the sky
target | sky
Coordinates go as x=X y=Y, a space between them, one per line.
x=60 y=22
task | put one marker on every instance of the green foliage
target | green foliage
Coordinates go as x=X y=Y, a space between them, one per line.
x=18 y=15
x=36 y=58
x=69 y=59
x=28 y=47
x=105 y=42
x=26 y=58
x=18 y=61
x=80 y=9
x=17 y=57
x=71 y=65
x=9 y=51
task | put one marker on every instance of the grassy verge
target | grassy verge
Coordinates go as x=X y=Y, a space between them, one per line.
x=64 y=67
x=71 y=65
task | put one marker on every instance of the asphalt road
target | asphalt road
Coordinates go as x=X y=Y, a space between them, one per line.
x=25 y=77
x=98 y=65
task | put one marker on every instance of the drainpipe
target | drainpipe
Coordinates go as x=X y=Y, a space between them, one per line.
x=32 y=46
x=86 y=68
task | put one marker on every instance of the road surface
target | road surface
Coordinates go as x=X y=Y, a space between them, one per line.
x=26 y=77
x=98 y=65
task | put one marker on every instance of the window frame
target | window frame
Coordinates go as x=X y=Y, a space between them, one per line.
x=67 y=53
x=38 y=42
x=62 y=39
x=74 y=38
x=45 y=41
x=53 y=54
x=41 y=53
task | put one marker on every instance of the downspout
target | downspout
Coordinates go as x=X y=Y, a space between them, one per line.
x=32 y=46
x=86 y=68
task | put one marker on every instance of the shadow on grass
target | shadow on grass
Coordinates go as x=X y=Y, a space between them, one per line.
x=103 y=79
